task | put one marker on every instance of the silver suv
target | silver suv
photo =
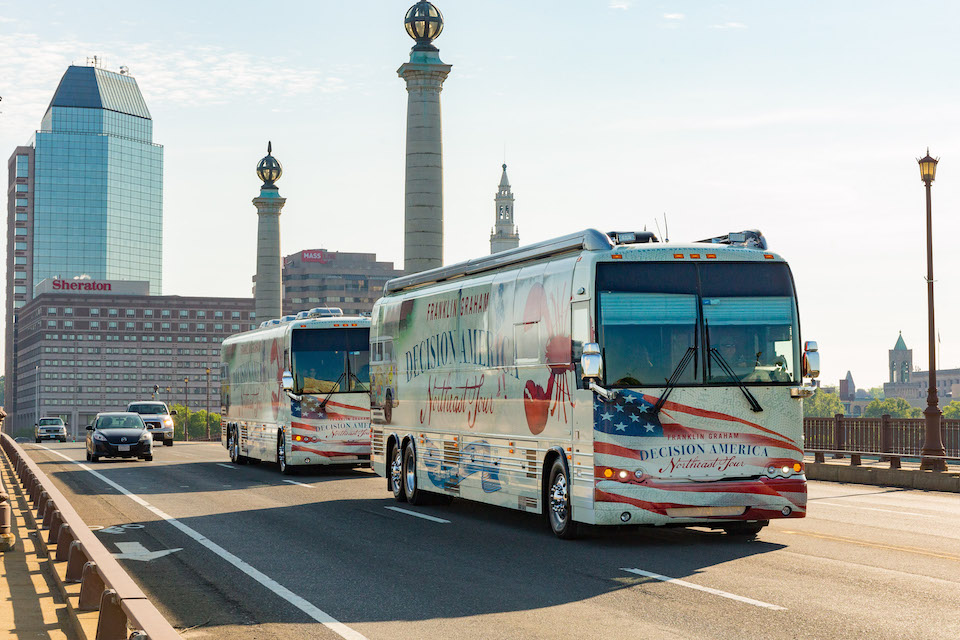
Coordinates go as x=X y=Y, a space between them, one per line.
x=157 y=417
x=50 y=428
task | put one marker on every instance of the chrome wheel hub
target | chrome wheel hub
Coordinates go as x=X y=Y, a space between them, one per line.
x=558 y=498
x=396 y=469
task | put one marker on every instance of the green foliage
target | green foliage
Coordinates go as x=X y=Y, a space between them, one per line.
x=952 y=411
x=876 y=393
x=895 y=407
x=822 y=405
x=196 y=422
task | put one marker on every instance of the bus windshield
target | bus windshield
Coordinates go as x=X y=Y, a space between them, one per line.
x=741 y=317
x=331 y=360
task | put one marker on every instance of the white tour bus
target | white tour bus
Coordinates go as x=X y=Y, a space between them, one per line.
x=599 y=378
x=296 y=391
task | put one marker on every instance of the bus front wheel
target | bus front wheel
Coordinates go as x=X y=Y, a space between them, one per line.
x=396 y=473
x=745 y=530
x=557 y=507
x=285 y=468
x=233 y=444
x=413 y=493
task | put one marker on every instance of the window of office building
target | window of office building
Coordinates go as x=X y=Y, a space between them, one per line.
x=130 y=313
x=94 y=311
x=20 y=260
x=20 y=216
x=20 y=231
x=19 y=275
x=22 y=188
x=19 y=246
x=21 y=202
x=18 y=288
x=112 y=312
x=23 y=166
x=148 y=313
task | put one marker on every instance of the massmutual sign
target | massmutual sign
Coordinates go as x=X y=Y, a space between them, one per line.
x=88 y=285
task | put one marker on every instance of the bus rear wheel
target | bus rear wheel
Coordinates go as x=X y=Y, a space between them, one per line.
x=410 y=488
x=745 y=530
x=388 y=408
x=557 y=504
x=395 y=473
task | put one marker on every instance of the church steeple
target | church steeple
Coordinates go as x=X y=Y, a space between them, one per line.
x=505 y=234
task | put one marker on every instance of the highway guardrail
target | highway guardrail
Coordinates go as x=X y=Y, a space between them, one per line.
x=124 y=611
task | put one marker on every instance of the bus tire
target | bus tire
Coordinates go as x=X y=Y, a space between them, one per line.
x=233 y=444
x=388 y=408
x=410 y=489
x=395 y=472
x=745 y=530
x=285 y=468
x=557 y=505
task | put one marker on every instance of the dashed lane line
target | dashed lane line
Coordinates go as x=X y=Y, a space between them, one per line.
x=226 y=466
x=419 y=515
x=300 y=484
x=716 y=592
x=299 y=602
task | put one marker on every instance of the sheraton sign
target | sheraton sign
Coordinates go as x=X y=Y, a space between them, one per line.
x=88 y=285
x=80 y=285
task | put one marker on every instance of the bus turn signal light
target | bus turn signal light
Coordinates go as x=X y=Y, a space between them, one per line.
x=608 y=473
x=797 y=467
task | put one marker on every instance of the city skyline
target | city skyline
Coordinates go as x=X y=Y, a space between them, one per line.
x=803 y=122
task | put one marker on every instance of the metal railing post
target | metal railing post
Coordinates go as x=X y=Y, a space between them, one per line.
x=838 y=439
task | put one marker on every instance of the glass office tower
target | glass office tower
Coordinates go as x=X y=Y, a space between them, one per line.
x=98 y=203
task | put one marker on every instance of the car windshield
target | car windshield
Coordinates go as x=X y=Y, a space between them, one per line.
x=50 y=421
x=119 y=422
x=149 y=409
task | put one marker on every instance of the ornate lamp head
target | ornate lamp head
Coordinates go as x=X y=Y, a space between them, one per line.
x=928 y=167
x=423 y=23
x=269 y=169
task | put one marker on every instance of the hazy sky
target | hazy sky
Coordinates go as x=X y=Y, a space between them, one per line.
x=802 y=119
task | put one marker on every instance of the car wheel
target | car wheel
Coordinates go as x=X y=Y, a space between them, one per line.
x=94 y=458
x=38 y=440
x=559 y=513
x=168 y=442
x=396 y=474
x=148 y=458
x=285 y=469
x=88 y=456
x=388 y=408
x=63 y=439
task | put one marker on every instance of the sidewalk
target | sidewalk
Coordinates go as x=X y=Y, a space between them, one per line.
x=873 y=471
x=30 y=603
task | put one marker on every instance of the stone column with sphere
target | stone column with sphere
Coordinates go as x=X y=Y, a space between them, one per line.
x=268 y=291
x=423 y=193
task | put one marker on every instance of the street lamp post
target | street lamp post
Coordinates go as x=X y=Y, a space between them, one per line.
x=208 y=403
x=36 y=384
x=186 y=432
x=933 y=443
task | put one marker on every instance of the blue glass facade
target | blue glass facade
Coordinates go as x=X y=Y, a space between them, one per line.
x=98 y=197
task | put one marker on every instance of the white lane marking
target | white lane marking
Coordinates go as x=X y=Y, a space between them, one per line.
x=300 y=484
x=228 y=466
x=136 y=551
x=716 y=592
x=419 y=515
x=851 y=506
x=314 y=612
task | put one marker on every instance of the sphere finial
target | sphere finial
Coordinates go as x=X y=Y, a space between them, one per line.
x=269 y=169
x=423 y=23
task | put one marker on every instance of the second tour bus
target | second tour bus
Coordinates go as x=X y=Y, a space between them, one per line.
x=296 y=392
x=598 y=378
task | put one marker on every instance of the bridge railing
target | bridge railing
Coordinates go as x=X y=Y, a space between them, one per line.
x=888 y=437
x=124 y=610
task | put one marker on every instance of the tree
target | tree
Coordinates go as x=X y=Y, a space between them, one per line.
x=894 y=407
x=876 y=393
x=822 y=405
x=952 y=411
x=196 y=422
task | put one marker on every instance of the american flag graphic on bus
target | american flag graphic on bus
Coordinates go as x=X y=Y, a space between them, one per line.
x=687 y=459
x=337 y=428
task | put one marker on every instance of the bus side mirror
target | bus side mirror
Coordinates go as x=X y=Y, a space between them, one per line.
x=811 y=360
x=287 y=381
x=591 y=362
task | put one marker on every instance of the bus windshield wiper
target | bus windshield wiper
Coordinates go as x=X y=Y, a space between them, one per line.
x=333 y=390
x=754 y=405
x=672 y=380
x=363 y=386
